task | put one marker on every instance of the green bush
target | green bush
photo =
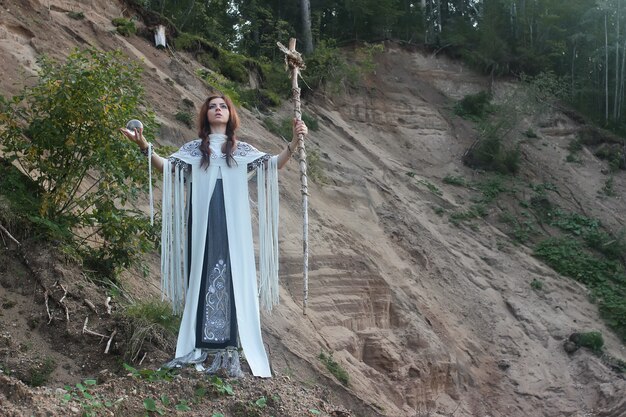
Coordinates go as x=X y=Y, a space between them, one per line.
x=311 y=122
x=232 y=66
x=474 y=106
x=185 y=117
x=125 y=27
x=489 y=154
x=259 y=98
x=63 y=133
x=281 y=128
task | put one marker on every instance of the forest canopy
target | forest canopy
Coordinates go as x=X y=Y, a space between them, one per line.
x=582 y=41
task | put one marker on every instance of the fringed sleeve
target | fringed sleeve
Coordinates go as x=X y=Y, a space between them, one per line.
x=267 y=186
x=174 y=249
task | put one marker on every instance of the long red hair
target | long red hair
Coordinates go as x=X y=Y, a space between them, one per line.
x=204 y=130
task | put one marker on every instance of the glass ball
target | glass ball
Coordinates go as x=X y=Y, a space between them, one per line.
x=134 y=124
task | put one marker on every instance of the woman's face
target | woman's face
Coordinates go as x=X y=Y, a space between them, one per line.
x=218 y=113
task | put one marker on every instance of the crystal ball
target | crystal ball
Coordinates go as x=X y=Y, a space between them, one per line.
x=134 y=124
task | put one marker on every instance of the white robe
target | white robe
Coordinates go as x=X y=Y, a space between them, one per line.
x=241 y=248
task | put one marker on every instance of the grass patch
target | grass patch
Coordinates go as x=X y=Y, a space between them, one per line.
x=76 y=15
x=151 y=321
x=530 y=134
x=40 y=373
x=476 y=211
x=605 y=278
x=455 y=180
x=334 y=368
x=591 y=340
x=536 y=284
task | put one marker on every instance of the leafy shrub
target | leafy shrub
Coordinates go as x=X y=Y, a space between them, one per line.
x=536 y=284
x=232 y=66
x=259 y=98
x=63 y=133
x=185 y=117
x=125 y=27
x=489 y=154
x=326 y=67
x=281 y=128
x=474 y=106
x=314 y=167
x=311 y=122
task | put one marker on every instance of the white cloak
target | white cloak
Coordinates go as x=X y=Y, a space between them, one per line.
x=174 y=269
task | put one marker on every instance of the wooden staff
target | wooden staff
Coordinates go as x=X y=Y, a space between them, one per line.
x=294 y=64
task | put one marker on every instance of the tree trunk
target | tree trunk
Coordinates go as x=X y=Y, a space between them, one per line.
x=573 y=62
x=606 y=69
x=621 y=84
x=615 y=99
x=307 y=38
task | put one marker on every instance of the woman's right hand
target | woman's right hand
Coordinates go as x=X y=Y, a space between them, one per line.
x=135 y=136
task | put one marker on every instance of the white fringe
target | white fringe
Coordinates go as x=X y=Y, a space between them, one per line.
x=267 y=187
x=150 y=184
x=173 y=239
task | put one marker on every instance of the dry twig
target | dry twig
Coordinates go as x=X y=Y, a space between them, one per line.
x=6 y=232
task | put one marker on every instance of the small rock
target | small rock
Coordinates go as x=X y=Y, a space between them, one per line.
x=570 y=347
x=503 y=364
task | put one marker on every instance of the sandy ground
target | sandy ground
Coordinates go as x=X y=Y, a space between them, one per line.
x=427 y=318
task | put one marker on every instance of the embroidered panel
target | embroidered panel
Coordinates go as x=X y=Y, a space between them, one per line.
x=179 y=163
x=217 y=305
x=258 y=162
x=192 y=148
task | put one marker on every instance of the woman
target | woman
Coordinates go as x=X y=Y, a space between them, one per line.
x=207 y=253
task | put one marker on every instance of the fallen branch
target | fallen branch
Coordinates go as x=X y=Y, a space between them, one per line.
x=91 y=332
x=110 y=340
x=107 y=304
x=91 y=306
x=67 y=311
x=46 y=296
x=6 y=232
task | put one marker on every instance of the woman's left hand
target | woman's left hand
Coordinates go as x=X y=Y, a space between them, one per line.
x=299 y=128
